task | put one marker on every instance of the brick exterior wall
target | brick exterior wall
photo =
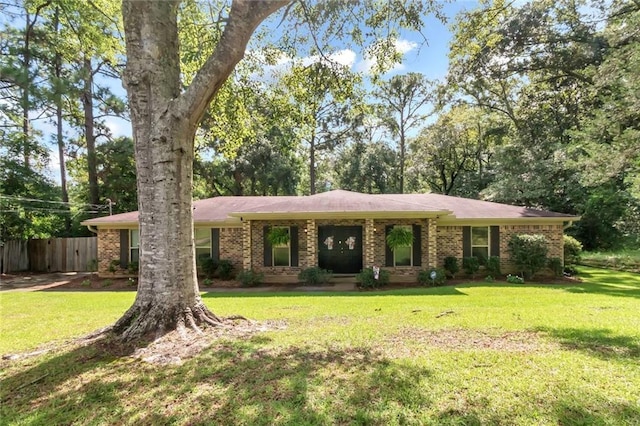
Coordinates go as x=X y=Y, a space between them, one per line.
x=108 y=250
x=244 y=246
x=231 y=246
x=257 y=247
x=449 y=240
x=380 y=245
x=552 y=232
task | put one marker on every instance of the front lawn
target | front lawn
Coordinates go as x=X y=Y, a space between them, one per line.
x=471 y=354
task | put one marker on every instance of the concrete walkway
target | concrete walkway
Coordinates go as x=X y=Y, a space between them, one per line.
x=35 y=282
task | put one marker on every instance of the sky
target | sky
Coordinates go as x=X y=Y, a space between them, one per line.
x=427 y=57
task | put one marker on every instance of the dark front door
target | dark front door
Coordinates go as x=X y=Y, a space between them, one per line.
x=340 y=249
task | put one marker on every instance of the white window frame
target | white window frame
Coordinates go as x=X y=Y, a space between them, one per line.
x=488 y=246
x=410 y=249
x=132 y=247
x=288 y=246
x=196 y=247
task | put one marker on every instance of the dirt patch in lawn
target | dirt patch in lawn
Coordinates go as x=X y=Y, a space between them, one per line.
x=171 y=348
x=463 y=339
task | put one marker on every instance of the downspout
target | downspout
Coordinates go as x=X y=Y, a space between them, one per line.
x=94 y=230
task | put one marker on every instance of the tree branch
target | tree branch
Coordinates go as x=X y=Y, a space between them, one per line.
x=244 y=18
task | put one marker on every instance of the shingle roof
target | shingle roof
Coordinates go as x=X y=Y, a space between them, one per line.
x=220 y=209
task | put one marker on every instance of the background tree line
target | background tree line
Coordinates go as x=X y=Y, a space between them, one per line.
x=540 y=108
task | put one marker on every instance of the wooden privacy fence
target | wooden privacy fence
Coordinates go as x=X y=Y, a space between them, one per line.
x=51 y=255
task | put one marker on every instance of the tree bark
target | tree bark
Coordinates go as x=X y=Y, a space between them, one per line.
x=164 y=124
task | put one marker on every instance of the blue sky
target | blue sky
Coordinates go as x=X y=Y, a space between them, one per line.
x=429 y=58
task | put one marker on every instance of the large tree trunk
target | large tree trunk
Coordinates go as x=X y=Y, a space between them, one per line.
x=164 y=124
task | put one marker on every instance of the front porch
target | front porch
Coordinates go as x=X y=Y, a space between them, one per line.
x=344 y=246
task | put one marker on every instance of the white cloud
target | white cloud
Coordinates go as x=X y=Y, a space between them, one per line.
x=369 y=62
x=118 y=127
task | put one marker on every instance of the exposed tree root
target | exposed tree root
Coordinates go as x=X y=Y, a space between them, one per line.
x=153 y=321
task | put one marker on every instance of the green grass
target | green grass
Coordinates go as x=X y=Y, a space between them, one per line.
x=626 y=260
x=481 y=353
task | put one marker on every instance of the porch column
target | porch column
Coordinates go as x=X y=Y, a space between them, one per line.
x=312 y=243
x=246 y=245
x=369 y=244
x=433 y=243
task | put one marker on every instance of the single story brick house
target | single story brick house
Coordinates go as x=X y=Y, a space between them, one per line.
x=341 y=231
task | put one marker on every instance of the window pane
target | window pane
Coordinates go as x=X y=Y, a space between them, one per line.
x=202 y=253
x=202 y=237
x=403 y=256
x=480 y=236
x=281 y=256
x=482 y=253
x=134 y=238
x=135 y=255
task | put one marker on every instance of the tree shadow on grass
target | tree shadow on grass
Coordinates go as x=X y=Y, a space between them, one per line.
x=599 y=342
x=234 y=382
x=304 y=385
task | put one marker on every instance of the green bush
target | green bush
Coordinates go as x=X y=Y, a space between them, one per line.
x=493 y=266
x=314 y=276
x=529 y=253
x=451 y=266
x=471 y=265
x=555 y=264
x=208 y=266
x=489 y=279
x=514 y=279
x=366 y=278
x=225 y=269
x=424 y=277
x=250 y=278
x=570 y=270
x=133 y=268
x=572 y=250
x=114 y=265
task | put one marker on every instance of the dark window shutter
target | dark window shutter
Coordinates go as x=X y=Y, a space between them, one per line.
x=417 y=245
x=466 y=241
x=388 y=253
x=494 y=250
x=215 y=244
x=293 y=245
x=268 y=252
x=124 y=248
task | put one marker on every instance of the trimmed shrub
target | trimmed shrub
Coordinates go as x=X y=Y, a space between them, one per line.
x=572 y=250
x=366 y=278
x=514 y=279
x=424 y=277
x=114 y=265
x=570 y=270
x=225 y=269
x=493 y=266
x=555 y=264
x=529 y=253
x=250 y=278
x=451 y=266
x=133 y=267
x=208 y=266
x=314 y=276
x=471 y=265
